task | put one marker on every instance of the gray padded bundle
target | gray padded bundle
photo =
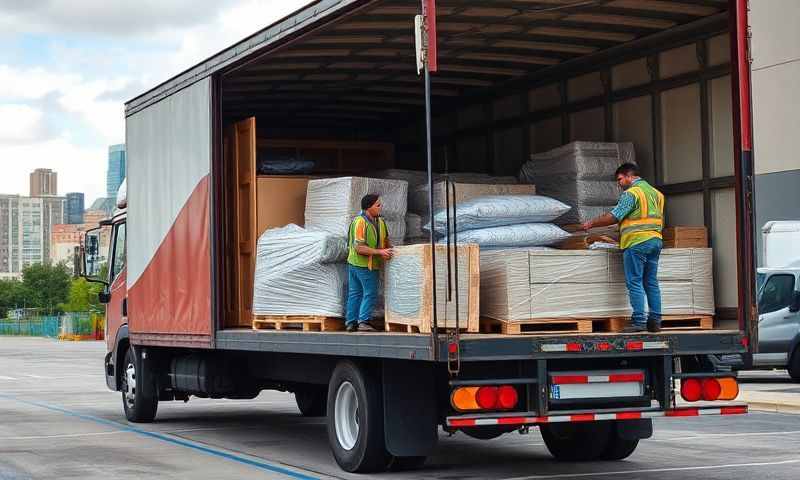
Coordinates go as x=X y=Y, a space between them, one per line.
x=414 y=227
x=497 y=211
x=332 y=203
x=419 y=197
x=292 y=261
x=522 y=235
x=580 y=174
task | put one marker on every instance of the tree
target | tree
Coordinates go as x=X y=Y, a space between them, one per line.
x=83 y=297
x=46 y=286
x=12 y=295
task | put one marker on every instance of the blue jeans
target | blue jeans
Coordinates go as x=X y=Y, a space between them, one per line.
x=362 y=292
x=641 y=271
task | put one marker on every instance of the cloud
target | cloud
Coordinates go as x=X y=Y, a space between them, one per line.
x=113 y=18
x=20 y=124
x=80 y=169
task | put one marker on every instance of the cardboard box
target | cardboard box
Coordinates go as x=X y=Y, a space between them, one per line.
x=685 y=237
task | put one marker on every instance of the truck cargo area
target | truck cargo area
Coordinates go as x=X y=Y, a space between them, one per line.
x=514 y=79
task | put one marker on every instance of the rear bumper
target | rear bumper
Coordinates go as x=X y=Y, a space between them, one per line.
x=522 y=419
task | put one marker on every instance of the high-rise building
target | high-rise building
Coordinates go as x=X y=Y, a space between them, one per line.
x=75 y=206
x=25 y=230
x=116 y=169
x=44 y=182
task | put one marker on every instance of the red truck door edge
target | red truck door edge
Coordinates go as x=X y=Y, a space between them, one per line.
x=743 y=166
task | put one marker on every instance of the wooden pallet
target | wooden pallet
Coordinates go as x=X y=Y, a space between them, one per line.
x=401 y=327
x=668 y=322
x=537 y=326
x=306 y=323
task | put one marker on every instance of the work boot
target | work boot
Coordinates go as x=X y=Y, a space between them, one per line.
x=653 y=325
x=634 y=328
x=366 y=327
x=351 y=327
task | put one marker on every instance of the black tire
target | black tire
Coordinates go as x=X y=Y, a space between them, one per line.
x=404 y=464
x=367 y=452
x=312 y=402
x=486 y=432
x=794 y=365
x=619 y=448
x=139 y=408
x=577 y=442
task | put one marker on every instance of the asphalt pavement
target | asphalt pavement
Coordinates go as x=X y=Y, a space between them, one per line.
x=58 y=420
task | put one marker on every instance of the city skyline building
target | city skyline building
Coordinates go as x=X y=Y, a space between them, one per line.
x=75 y=208
x=117 y=163
x=25 y=231
x=43 y=182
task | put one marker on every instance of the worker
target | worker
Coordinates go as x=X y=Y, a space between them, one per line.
x=640 y=213
x=368 y=247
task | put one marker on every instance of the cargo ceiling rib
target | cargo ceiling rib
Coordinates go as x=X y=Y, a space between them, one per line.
x=361 y=67
x=316 y=13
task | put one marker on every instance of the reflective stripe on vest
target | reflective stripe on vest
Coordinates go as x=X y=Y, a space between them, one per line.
x=646 y=220
x=373 y=239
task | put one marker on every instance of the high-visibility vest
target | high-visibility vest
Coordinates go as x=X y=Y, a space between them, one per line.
x=646 y=220
x=374 y=239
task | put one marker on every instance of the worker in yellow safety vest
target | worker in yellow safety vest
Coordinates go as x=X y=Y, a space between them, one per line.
x=640 y=213
x=368 y=247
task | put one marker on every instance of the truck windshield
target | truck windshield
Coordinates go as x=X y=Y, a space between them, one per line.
x=760 y=277
x=776 y=294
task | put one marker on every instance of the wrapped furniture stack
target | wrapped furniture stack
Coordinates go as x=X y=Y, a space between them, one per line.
x=408 y=287
x=332 y=203
x=580 y=174
x=292 y=261
x=522 y=286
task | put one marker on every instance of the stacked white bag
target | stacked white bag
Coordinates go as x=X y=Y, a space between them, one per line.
x=503 y=221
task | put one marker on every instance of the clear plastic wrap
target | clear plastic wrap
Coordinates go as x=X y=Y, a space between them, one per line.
x=580 y=174
x=497 y=211
x=418 y=198
x=520 y=284
x=292 y=261
x=413 y=227
x=332 y=203
x=507 y=236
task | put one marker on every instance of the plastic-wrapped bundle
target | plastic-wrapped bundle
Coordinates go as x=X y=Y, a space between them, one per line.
x=418 y=198
x=413 y=177
x=332 y=203
x=413 y=226
x=507 y=236
x=497 y=211
x=580 y=174
x=278 y=167
x=292 y=261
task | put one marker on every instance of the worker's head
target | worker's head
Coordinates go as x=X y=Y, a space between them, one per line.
x=371 y=204
x=626 y=174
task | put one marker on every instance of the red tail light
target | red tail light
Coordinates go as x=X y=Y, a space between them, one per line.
x=711 y=389
x=691 y=390
x=486 y=397
x=507 y=397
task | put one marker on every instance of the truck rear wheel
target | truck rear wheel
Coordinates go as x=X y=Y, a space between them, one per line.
x=619 y=447
x=577 y=442
x=355 y=419
x=312 y=402
x=139 y=407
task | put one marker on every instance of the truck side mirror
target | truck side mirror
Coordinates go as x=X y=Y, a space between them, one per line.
x=104 y=297
x=794 y=307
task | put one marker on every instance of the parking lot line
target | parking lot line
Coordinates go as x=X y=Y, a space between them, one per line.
x=657 y=470
x=165 y=438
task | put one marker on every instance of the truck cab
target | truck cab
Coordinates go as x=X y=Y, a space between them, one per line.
x=103 y=260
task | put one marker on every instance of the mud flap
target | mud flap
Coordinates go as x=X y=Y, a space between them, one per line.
x=409 y=408
x=635 y=429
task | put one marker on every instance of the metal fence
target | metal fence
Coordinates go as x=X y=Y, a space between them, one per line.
x=68 y=326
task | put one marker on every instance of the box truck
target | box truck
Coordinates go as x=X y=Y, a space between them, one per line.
x=513 y=78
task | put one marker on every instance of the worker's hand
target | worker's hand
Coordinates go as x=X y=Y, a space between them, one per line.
x=387 y=253
x=587 y=225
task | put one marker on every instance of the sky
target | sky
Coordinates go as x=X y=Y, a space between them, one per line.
x=68 y=66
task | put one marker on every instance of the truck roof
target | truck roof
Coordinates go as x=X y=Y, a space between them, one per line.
x=375 y=37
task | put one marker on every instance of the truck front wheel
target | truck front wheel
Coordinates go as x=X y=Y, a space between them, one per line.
x=355 y=419
x=139 y=407
x=577 y=442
